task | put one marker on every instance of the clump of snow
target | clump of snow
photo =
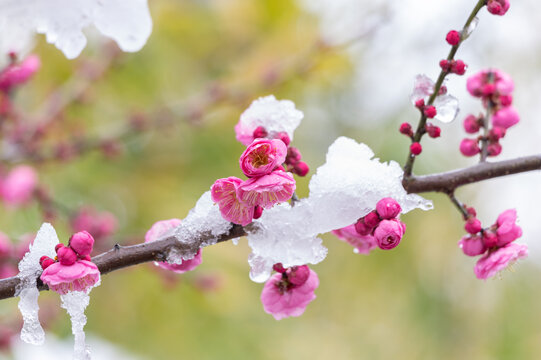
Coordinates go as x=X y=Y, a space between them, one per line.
x=203 y=221
x=75 y=303
x=29 y=270
x=446 y=105
x=345 y=188
x=274 y=115
x=128 y=22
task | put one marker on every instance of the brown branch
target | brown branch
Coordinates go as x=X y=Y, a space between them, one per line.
x=447 y=182
x=123 y=256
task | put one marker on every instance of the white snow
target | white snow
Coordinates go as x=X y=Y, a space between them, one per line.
x=345 y=188
x=446 y=105
x=128 y=22
x=29 y=269
x=274 y=115
x=203 y=220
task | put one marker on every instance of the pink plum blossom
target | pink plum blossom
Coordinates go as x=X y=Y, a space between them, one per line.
x=498 y=7
x=262 y=156
x=80 y=276
x=505 y=117
x=363 y=244
x=388 y=233
x=499 y=259
x=388 y=208
x=507 y=230
x=18 y=186
x=161 y=228
x=224 y=193
x=488 y=82
x=283 y=299
x=472 y=245
x=17 y=74
x=267 y=190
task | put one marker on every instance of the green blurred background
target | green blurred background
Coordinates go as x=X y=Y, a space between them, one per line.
x=419 y=301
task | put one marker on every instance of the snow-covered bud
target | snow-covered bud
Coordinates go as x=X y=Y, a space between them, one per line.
x=453 y=37
x=416 y=148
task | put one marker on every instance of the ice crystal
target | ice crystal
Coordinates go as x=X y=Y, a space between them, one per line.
x=29 y=270
x=128 y=22
x=274 y=115
x=345 y=188
x=469 y=30
x=75 y=303
x=446 y=105
x=203 y=221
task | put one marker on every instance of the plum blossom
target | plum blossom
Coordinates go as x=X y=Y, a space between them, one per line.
x=275 y=116
x=262 y=156
x=507 y=229
x=63 y=21
x=80 y=276
x=224 y=193
x=388 y=233
x=363 y=244
x=267 y=190
x=472 y=245
x=505 y=117
x=498 y=7
x=495 y=261
x=161 y=228
x=282 y=298
x=18 y=186
x=16 y=74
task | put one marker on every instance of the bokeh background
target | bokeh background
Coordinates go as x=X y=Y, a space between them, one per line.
x=349 y=65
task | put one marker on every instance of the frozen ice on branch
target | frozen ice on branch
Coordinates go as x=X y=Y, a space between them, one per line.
x=128 y=22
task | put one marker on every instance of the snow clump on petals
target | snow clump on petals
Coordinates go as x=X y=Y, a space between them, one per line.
x=81 y=276
x=63 y=21
x=18 y=186
x=262 y=157
x=362 y=244
x=267 y=190
x=224 y=193
x=495 y=261
x=275 y=116
x=282 y=301
x=160 y=229
x=14 y=75
x=347 y=187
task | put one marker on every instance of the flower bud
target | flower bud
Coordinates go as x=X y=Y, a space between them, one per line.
x=66 y=256
x=388 y=208
x=258 y=211
x=430 y=111
x=471 y=124
x=472 y=245
x=372 y=219
x=458 y=67
x=278 y=267
x=494 y=149
x=388 y=233
x=284 y=137
x=453 y=37
x=473 y=225
x=469 y=147
x=416 y=148
x=433 y=131
x=297 y=275
x=301 y=168
x=45 y=262
x=420 y=103
x=82 y=243
x=490 y=239
x=405 y=128
x=260 y=132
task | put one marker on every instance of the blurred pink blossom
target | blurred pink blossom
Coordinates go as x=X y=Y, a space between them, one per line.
x=18 y=186
x=495 y=261
x=17 y=74
x=363 y=244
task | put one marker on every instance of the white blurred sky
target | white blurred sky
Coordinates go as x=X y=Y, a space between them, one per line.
x=411 y=41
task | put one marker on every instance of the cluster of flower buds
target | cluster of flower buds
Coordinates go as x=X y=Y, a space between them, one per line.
x=457 y=67
x=495 y=243
x=379 y=228
x=72 y=268
x=268 y=183
x=289 y=291
x=495 y=89
x=429 y=111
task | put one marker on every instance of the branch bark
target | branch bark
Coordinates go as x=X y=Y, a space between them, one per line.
x=123 y=256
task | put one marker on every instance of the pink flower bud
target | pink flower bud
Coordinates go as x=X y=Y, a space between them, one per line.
x=453 y=37
x=297 y=275
x=258 y=211
x=293 y=156
x=82 y=243
x=494 y=149
x=405 y=128
x=458 y=67
x=416 y=148
x=469 y=147
x=473 y=225
x=262 y=156
x=430 y=111
x=388 y=208
x=496 y=133
x=388 y=233
x=19 y=185
x=505 y=117
x=506 y=100
x=66 y=256
x=471 y=124
x=420 y=103
x=301 y=168
x=14 y=75
x=279 y=268
x=260 y=132
x=284 y=137
x=498 y=7
x=58 y=246
x=362 y=228
x=490 y=239
x=433 y=131
x=445 y=65
x=472 y=245
x=372 y=219
x=507 y=230
x=45 y=262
